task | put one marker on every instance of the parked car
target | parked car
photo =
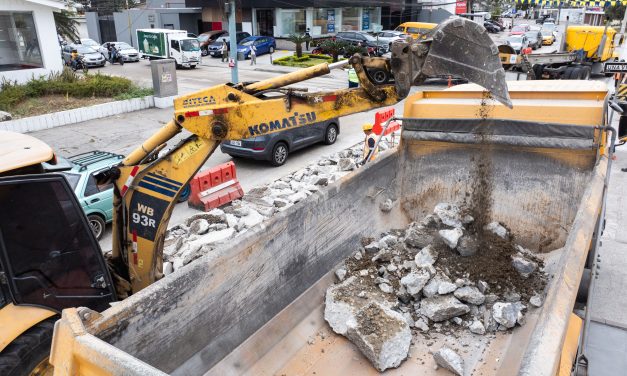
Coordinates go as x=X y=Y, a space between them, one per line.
x=91 y=57
x=128 y=52
x=517 y=30
x=192 y=35
x=496 y=24
x=263 y=45
x=416 y=29
x=276 y=147
x=215 y=48
x=206 y=38
x=518 y=42
x=549 y=26
x=390 y=36
x=535 y=39
x=90 y=43
x=491 y=28
x=550 y=20
x=548 y=38
x=540 y=20
x=96 y=200
x=356 y=37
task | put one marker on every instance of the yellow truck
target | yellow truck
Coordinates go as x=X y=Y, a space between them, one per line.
x=250 y=307
x=586 y=49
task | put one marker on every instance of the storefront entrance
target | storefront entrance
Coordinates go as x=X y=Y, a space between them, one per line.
x=265 y=22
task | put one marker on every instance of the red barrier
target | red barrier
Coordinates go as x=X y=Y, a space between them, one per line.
x=380 y=117
x=214 y=187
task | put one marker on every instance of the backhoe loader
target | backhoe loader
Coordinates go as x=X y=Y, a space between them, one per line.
x=49 y=259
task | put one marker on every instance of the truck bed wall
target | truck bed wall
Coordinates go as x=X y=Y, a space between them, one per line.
x=190 y=320
x=187 y=322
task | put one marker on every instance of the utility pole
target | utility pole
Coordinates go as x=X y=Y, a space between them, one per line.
x=230 y=9
x=130 y=31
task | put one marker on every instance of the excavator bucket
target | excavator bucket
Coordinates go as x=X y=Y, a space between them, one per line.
x=457 y=47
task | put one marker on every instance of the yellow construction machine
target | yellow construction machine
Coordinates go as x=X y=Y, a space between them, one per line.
x=49 y=259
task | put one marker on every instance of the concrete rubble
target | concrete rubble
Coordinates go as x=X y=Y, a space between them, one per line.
x=415 y=273
x=200 y=233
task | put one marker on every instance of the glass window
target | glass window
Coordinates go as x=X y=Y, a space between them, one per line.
x=190 y=45
x=72 y=179
x=91 y=188
x=19 y=45
x=350 y=18
x=323 y=21
x=293 y=21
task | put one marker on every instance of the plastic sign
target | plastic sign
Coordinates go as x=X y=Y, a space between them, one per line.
x=615 y=68
x=231 y=63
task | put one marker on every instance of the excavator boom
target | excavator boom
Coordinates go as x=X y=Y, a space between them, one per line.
x=147 y=185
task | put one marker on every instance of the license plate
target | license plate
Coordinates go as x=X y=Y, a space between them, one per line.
x=236 y=143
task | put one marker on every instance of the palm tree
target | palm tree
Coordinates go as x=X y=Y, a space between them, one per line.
x=298 y=40
x=66 y=25
x=333 y=48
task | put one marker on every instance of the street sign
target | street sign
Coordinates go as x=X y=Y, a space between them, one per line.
x=615 y=68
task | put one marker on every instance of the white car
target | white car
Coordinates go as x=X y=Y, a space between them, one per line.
x=90 y=43
x=128 y=52
x=390 y=36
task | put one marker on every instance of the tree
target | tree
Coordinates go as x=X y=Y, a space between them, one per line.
x=333 y=48
x=615 y=12
x=298 y=40
x=66 y=25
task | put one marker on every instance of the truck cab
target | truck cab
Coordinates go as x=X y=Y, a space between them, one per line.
x=185 y=51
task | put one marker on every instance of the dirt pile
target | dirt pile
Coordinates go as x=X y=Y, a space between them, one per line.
x=443 y=274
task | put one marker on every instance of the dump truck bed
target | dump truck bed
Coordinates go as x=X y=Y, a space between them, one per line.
x=254 y=306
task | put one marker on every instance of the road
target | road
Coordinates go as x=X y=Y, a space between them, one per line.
x=122 y=133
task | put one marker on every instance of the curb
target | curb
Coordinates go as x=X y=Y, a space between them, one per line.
x=77 y=115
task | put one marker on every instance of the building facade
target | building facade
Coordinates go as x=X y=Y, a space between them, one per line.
x=321 y=17
x=28 y=39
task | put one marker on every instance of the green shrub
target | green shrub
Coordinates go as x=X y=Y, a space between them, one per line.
x=70 y=84
x=307 y=60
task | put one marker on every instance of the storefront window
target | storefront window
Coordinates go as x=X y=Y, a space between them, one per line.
x=323 y=21
x=293 y=21
x=19 y=45
x=350 y=19
x=371 y=19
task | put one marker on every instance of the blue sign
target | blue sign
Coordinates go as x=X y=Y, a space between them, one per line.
x=365 y=20
x=330 y=20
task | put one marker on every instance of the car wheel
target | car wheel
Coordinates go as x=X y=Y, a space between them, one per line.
x=279 y=154
x=379 y=76
x=192 y=67
x=271 y=49
x=585 y=73
x=97 y=225
x=330 y=135
x=204 y=52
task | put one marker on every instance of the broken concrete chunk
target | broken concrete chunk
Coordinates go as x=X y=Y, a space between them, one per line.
x=213 y=216
x=346 y=164
x=384 y=255
x=442 y=307
x=483 y=286
x=280 y=185
x=512 y=296
x=426 y=256
x=381 y=334
x=386 y=206
x=415 y=281
x=340 y=273
x=446 y=288
x=505 y=314
x=252 y=219
x=388 y=241
x=260 y=201
x=497 y=229
x=281 y=202
x=449 y=214
x=422 y=324
x=523 y=266
x=467 y=245
x=167 y=268
x=199 y=226
x=477 y=327
x=386 y=288
x=451 y=237
x=432 y=288
x=298 y=196
x=470 y=294
x=450 y=360
x=536 y=301
x=491 y=298
x=372 y=247
x=418 y=237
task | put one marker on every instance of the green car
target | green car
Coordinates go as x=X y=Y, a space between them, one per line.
x=96 y=200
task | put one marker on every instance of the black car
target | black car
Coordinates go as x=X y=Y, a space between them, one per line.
x=496 y=23
x=540 y=20
x=215 y=49
x=491 y=28
x=275 y=147
x=366 y=40
x=535 y=39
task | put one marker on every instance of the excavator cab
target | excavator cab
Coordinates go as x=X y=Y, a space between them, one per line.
x=49 y=261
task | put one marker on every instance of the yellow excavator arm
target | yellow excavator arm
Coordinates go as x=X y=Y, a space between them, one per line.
x=147 y=185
